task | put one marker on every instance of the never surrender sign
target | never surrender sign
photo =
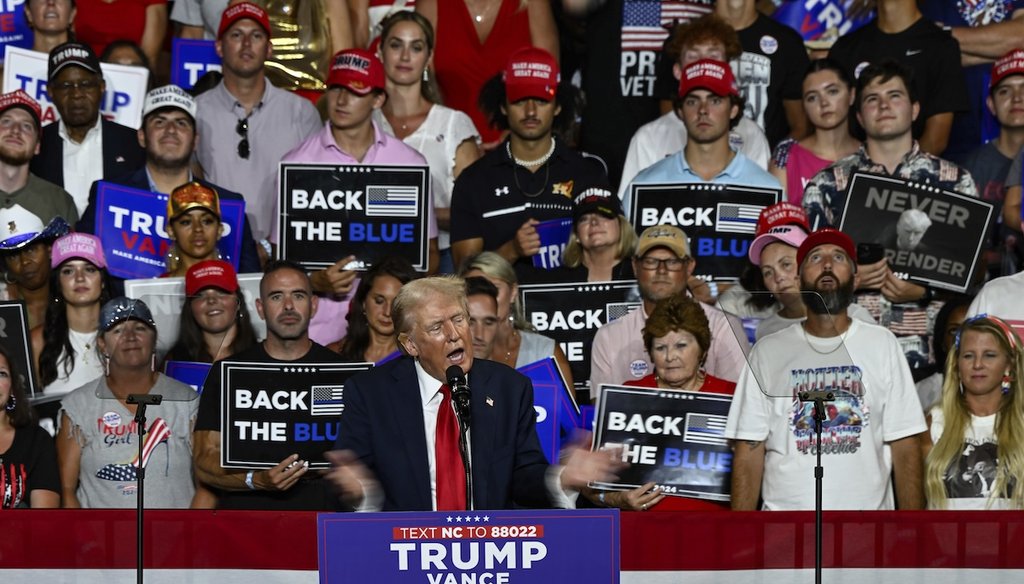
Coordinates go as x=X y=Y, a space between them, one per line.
x=571 y=314
x=272 y=410
x=675 y=439
x=719 y=220
x=932 y=235
x=482 y=547
x=368 y=211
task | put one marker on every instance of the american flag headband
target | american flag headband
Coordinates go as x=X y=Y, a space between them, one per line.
x=1011 y=337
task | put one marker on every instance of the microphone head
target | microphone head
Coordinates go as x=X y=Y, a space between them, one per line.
x=454 y=374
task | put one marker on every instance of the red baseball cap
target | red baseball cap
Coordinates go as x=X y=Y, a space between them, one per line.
x=784 y=213
x=531 y=72
x=825 y=236
x=19 y=98
x=1011 y=63
x=210 y=273
x=357 y=70
x=236 y=12
x=715 y=76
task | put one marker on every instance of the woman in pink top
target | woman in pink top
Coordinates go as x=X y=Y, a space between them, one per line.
x=827 y=97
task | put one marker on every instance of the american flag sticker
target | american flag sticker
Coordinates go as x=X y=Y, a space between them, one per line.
x=328 y=400
x=393 y=201
x=737 y=218
x=705 y=429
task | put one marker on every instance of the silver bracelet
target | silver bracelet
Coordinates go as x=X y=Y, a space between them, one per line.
x=248 y=480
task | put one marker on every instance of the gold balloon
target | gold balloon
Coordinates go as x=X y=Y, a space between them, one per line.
x=301 y=39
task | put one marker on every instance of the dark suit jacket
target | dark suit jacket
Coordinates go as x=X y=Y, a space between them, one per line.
x=121 y=152
x=248 y=259
x=383 y=425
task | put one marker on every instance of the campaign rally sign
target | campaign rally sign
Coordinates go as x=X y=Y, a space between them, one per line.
x=819 y=18
x=190 y=373
x=370 y=211
x=131 y=224
x=719 y=220
x=554 y=235
x=558 y=416
x=14 y=28
x=191 y=59
x=571 y=313
x=932 y=235
x=483 y=547
x=14 y=336
x=270 y=411
x=122 y=102
x=675 y=439
x=165 y=298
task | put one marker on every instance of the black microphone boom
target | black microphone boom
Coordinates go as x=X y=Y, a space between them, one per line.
x=460 y=392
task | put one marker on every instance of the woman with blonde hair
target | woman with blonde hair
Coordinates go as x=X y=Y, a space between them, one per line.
x=515 y=344
x=977 y=461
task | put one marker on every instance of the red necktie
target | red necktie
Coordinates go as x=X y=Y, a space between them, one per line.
x=451 y=476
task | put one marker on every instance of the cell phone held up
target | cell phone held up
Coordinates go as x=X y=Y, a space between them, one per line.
x=869 y=253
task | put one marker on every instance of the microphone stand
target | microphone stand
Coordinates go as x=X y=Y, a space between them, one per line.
x=141 y=400
x=819 y=398
x=462 y=413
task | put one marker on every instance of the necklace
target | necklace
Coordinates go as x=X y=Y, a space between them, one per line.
x=547 y=176
x=530 y=163
x=842 y=340
x=478 y=17
x=511 y=346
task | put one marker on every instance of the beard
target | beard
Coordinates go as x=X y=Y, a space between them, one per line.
x=12 y=157
x=830 y=302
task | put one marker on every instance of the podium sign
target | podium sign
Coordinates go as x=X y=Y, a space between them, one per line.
x=330 y=211
x=673 y=438
x=511 y=547
x=719 y=220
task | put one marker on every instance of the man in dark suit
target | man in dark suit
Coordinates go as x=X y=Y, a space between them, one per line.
x=392 y=437
x=168 y=136
x=82 y=147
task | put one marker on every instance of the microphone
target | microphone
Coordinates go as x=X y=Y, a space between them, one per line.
x=460 y=392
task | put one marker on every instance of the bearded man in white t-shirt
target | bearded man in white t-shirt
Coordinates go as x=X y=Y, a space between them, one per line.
x=870 y=437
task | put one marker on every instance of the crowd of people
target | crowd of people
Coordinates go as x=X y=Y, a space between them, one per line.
x=478 y=92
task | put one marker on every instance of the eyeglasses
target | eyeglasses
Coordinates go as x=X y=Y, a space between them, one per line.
x=68 y=86
x=671 y=264
x=242 y=129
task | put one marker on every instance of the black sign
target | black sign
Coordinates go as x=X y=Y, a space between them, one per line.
x=720 y=220
x=929 y=234
x=14 y=336
x=272 y=410
x=673 y=438
x=571 y=314
x=369 y=211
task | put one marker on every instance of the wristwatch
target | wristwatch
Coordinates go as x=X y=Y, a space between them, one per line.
x=266 y=246
x=248 y=480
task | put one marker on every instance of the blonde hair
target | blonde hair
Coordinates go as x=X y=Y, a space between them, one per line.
x=1009 y=425
x=494 y=266
x=573 y=255
x=413 y=294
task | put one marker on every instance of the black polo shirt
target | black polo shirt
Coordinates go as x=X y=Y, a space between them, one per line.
x=494 y=196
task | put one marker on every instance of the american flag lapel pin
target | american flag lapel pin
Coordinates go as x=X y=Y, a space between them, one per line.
x=490 y=401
